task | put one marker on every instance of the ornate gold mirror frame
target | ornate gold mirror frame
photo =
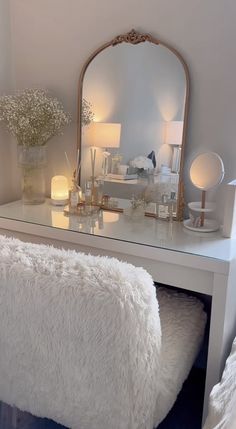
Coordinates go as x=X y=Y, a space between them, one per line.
x=134 y=37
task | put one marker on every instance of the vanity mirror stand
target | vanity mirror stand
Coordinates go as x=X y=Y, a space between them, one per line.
x=206 y=172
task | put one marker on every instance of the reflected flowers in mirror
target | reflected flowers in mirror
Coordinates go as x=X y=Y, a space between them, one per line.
x=87 y=113
x=137 y=209
x=142 y=165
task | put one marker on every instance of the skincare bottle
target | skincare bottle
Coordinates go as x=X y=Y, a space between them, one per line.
x=115 y=163
x=95 y=193
x=163 y=207
x=74 y=196
x=172 y=206
x=100 y=184
x=88 y=193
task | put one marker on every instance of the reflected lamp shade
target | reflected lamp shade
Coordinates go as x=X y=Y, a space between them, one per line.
x=104 y=135
x=59 y=190
x=174 y=133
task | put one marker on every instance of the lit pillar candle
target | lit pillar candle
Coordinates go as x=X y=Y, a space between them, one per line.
x=59 y=190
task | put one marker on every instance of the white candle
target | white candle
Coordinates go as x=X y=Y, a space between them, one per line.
x=59 y=190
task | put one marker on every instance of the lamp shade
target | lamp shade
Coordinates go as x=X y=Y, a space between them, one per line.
x=59 y=190
x=174 y=133
x=105 y=135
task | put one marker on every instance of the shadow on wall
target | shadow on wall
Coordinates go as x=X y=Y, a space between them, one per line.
x=9 y=171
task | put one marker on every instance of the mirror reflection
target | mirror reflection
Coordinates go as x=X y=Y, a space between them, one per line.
x=133 y=113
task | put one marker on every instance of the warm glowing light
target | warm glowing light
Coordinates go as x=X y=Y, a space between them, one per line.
x=102 y=95
x=110 y=217
x=164 y=156
x=59 y=220
x=168 y=106
x=174 y=132
x=105 y=135
x=207 y=170
x=59 y=190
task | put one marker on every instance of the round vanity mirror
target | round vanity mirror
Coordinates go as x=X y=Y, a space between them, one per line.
x=206 y=172
x=132 y=118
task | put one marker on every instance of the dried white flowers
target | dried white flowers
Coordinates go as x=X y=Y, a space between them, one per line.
x=87 y=113
x=142 y=162
x=32 y=116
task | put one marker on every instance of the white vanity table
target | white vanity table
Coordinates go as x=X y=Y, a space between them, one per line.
x=173 y=256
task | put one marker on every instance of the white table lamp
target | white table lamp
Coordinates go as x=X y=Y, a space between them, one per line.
x=102 y=135
x=59 y=191
x=174 y=137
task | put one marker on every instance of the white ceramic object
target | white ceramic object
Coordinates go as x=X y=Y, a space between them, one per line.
x=196 y=207
x=210 y=225
x=123 y=169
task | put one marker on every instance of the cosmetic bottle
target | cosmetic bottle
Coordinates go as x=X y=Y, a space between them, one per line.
x=75 y=194
x=88 y=193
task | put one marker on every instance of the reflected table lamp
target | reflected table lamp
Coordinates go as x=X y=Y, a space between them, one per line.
x=102 y=135
x=174 y=137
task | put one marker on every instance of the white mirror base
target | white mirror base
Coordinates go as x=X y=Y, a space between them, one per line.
x=196 y=206
x=210 y=225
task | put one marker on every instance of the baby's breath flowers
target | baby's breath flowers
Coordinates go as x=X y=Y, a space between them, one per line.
x=87 y=113
x=33 y=116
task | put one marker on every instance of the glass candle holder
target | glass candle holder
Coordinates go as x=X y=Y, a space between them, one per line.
x=59 y=190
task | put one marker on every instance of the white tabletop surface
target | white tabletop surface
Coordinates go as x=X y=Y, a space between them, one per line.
x=145 y=231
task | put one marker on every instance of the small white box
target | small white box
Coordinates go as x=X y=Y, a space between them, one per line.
x=229 y=225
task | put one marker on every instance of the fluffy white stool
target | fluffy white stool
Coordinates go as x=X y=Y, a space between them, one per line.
x=80 y=338
x=183 y=323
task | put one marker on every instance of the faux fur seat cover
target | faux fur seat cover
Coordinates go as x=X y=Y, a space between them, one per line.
x=80 y=339
x=183 y=324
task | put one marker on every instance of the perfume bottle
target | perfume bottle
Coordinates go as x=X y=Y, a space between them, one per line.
x=172 y=206
x=100 y=187
x=163 y=207
x=95 y=193
x=75 y=195
x=115 y=163
x=88 y=193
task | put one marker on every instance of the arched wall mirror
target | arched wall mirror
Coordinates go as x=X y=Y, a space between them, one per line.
x=132 y=118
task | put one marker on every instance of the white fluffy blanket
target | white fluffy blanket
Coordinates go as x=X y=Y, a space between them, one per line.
x=183 y=323
x=80 y=338
x=222 y=407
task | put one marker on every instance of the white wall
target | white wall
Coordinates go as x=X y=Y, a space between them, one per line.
x=53 y=38
x=6 y=146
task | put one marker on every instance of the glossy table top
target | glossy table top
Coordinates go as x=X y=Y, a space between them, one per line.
x=145 y=231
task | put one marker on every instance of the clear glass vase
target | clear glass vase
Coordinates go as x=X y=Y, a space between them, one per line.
x=32 y=160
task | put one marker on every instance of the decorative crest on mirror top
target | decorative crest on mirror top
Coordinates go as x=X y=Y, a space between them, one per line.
x=133 y=37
